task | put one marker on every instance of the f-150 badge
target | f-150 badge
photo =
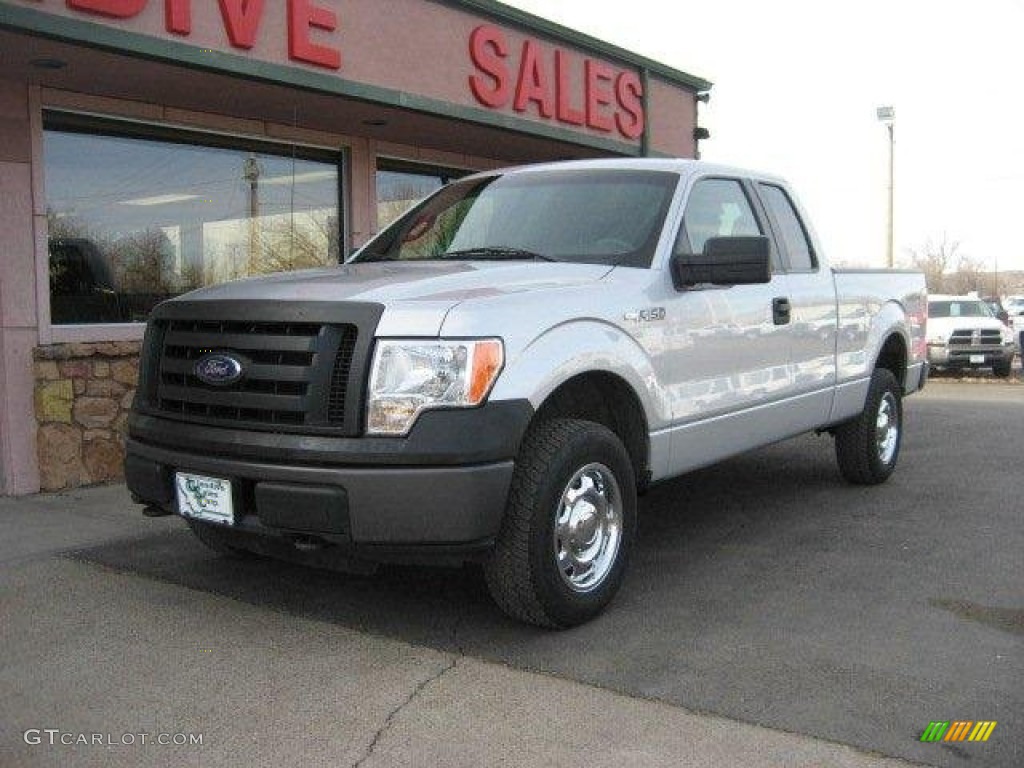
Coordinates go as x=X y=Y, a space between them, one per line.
x=651 y=315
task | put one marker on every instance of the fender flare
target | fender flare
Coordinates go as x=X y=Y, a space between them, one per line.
x=583 y=346
x=891 y=319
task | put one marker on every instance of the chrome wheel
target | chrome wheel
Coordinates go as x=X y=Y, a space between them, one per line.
x=887 y=428
x=588 y=527
x=565 y=541
x=868 y=445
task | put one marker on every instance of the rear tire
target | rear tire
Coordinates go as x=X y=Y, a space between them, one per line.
x=568 y=528
x=868 y=446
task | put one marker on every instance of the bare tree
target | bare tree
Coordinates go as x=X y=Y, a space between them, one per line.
x=298 y=242
x=142 y=262
x=935 y=260
x=395 y=201
x=970 y=275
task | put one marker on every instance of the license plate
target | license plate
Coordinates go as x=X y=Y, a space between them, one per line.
x=977 y=359
x=204 y=498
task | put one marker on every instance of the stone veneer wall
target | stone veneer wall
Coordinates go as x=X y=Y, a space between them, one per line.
x=82 y=396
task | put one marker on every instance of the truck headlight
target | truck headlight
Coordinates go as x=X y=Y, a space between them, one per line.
x=409 y=376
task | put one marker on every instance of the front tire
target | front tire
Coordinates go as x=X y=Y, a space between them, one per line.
x=568 y=528
x=1002 y=369
x=868 y=446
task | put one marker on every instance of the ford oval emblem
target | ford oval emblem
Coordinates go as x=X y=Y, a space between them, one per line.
x=219 y=369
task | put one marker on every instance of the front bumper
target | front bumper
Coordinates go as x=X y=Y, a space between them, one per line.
x=944 y=356
x=445 y=485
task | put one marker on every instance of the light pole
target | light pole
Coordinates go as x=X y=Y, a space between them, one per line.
x=887 y=115
x=251 y=173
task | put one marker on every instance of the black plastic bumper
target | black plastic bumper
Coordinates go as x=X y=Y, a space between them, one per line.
x=445 y=484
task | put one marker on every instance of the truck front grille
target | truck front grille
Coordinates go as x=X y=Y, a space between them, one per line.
x=298 y=375
x=339 y=379
x=974 y=337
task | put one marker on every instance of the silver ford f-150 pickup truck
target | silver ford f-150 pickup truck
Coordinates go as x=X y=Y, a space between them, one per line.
x=497 y=375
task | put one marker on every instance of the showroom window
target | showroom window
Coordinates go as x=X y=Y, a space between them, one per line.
x=139 y=214
x=401 y=185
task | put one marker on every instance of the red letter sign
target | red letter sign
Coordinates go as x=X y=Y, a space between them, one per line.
x=567 y=113
x=533 y=82
x=554 y=83
x=488 y=49
x=302 y=15
x=119 y=9
x=630 y=91
x=178 y=16
x=242 y=21
x=599 y=96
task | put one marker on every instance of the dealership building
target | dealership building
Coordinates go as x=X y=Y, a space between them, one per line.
x=148 y=147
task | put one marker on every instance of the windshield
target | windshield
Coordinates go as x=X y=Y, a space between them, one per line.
x=963 y=308
x=588 y=216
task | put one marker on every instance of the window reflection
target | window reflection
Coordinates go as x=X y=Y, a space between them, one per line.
x=133 y=221
x=400 y=187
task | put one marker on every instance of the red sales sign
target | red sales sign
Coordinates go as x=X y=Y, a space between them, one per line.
x=536 y=79
x=539 y=80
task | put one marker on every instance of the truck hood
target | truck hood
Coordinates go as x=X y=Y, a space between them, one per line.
x=416 y=295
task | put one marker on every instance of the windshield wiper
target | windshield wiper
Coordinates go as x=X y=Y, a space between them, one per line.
x=495 y=253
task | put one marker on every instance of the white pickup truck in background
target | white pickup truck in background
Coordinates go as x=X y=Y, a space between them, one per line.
x=1015 y=311
x=963 y=332
x=497 y=375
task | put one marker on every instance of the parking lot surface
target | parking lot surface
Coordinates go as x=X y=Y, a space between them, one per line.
x=764 y=592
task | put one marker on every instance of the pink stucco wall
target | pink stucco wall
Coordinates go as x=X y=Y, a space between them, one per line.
x=672 y=120
x=18 y=316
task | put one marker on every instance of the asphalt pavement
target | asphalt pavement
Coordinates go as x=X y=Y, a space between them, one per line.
x=772 y=616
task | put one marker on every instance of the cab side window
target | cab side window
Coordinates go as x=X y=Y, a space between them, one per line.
x=715 y=208
x=791 y=230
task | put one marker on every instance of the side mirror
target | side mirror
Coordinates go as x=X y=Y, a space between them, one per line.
x=725 y=261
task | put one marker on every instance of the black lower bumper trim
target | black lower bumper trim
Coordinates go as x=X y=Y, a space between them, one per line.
x=389 y=506
x=310 y=509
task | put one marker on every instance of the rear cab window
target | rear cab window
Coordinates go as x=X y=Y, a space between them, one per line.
x=789 y=228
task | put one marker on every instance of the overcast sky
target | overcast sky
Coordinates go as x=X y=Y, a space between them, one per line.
x=796 y=86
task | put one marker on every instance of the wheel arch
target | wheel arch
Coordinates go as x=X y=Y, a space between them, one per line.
x=608 y=399
x=893 y=357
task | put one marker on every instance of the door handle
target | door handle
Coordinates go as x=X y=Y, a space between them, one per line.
x=781 y=310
